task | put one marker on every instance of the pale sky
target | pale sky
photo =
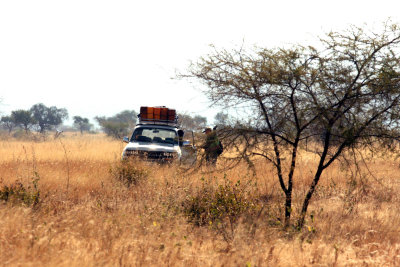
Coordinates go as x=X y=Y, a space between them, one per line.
x=98 y=57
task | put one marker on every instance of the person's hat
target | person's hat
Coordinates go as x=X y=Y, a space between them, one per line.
x=207 y=128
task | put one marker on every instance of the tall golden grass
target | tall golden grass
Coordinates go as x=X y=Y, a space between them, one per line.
x=86 y=216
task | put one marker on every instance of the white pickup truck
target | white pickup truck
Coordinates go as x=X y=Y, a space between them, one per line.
x=160 y=141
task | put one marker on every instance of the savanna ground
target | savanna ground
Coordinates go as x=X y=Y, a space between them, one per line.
x=70 y=201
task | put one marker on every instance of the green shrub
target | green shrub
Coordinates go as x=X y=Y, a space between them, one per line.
x=17 y=193
x=219 y=207
x=129 y=172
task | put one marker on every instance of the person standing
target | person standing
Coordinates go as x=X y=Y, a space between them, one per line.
x=212 y=146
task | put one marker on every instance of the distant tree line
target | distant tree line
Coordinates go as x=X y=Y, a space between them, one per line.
x=82 y=124
x=198 y=123
x=192 y=123
x=39 y=117
x=118 y=125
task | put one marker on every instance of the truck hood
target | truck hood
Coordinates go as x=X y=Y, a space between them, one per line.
x=143 y=146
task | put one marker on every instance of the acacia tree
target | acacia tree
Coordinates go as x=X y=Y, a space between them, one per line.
x=221 y=119
x=8 y=122
x=47 y=117
x=112 y=128
x=118 y=125
x=126 y=116
x=23 y=118
x=82 y=123
x=195 y=123
x=345 y=95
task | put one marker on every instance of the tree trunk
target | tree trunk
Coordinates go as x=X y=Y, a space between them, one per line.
x=288 y=192
x=307 y=198
x=288 y=208
x=300 y=222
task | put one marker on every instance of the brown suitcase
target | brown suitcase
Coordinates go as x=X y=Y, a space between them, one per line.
x=157 y=113
x=171 y=114
x=143 y=112
x=163 y=114
x=146 y=113
x=150 y=114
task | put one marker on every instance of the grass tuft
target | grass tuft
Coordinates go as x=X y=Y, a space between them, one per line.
x=129 y=172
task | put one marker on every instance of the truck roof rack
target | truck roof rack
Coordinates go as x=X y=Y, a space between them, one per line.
x=143 y=121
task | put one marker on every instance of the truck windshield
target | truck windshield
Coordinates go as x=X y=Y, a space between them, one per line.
x=155 y=135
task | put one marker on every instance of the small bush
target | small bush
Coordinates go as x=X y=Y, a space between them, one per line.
x=129 y=172
x=16 y=193
x=220 y=207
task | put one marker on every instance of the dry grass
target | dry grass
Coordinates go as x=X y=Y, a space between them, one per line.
x=87 y=217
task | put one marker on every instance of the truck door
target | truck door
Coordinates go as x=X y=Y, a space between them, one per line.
x=188 y=149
